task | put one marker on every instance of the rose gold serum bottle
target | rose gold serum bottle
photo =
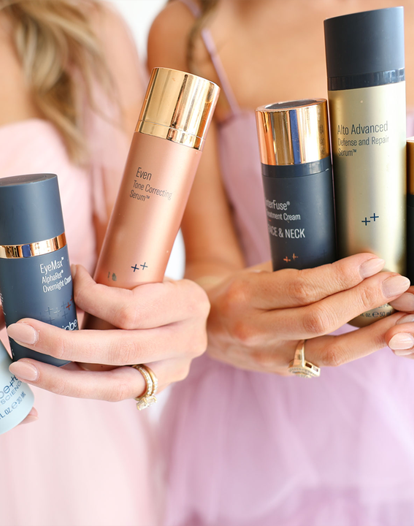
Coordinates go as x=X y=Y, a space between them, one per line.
x=159 y=172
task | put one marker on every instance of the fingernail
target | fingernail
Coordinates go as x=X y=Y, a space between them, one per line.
x=24 y=371
x=371 y=267
x=404 y=353
x=401 y=341
x=395 y=285
x=405 y=302
x=405 y=319
x=23 y=333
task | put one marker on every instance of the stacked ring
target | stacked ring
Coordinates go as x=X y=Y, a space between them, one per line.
x=148 y=397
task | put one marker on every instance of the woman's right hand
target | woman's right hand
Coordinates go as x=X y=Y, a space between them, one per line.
x=258 y=317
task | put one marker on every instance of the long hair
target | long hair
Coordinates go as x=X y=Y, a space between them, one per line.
x=206 y=9
x=61 y=59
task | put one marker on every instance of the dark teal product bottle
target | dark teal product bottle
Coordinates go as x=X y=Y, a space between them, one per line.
x=297 y=182
x=35 y=277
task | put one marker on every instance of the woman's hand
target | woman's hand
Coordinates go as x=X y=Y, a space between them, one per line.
x=162 y=325
x=257 y=317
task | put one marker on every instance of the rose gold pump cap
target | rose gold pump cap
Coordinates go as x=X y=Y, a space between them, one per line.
x=178 y=107
x=293 y=132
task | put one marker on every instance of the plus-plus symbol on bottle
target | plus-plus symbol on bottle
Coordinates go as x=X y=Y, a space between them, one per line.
x=144 y=266
x=135 y=267
x=366 y=221
x=374 y=217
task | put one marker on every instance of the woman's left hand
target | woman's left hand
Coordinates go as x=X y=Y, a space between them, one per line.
x=161 y=325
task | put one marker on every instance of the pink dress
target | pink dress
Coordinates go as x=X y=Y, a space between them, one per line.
x=85 y=462
x=255 y=449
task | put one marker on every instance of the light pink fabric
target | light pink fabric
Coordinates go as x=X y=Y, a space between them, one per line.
x=250 y=449
x=85 y=462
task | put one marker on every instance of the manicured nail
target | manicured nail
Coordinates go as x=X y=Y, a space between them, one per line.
x=371 y=267
x=405 y=319
x=23 y=333
x=395 y=285
x=405 y=302
x=404 y=353
x=24 y=371
x=401 y=341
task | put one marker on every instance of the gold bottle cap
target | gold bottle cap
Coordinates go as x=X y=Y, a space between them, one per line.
x=410 y=165
x=293 y=132
x=178 y=107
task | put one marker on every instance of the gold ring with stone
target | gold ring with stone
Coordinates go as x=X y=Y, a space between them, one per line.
x=148 y=397
x=300 y=366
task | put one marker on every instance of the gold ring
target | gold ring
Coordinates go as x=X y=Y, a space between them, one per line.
x=300 y=366
x=148 y=397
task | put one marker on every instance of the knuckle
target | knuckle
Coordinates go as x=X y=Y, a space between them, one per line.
x=125 y=316
x=235 y=295
x=200 y=346
x=199 y=306
x=182 y=372
x=119 y=391
x=317 y=321
x=333 y=356
x=367 y=297
x=300 y=289
x=245 y=333
x=60 y=350
x=263 y=359
x=56 y=387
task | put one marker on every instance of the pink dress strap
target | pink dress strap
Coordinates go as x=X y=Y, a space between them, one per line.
x=215 y=59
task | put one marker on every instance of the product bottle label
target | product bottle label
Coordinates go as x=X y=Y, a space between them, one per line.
x=368 y=128
x=16 y=398
x=38 y=287
x=300 y=220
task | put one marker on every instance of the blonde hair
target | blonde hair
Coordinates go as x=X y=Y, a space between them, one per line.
x=62 y=59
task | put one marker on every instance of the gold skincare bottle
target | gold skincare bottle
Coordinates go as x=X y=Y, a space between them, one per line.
x=366 y=87
x=160 y=169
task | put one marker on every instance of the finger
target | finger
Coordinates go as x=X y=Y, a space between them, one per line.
x=33 y=416
x=324 y=351
x=405 y=302
x=112 y=347
x=294 y=288
x=331 y=313
x=400 y=338
x=333 y=351
x=113 y=386
x=145 y=306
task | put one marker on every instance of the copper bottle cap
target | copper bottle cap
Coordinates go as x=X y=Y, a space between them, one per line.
x=178 y=106
x=293 y=132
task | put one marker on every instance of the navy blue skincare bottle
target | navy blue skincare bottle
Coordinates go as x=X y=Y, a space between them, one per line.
x=35 y=278
x=16 y=398
x=297 y=181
